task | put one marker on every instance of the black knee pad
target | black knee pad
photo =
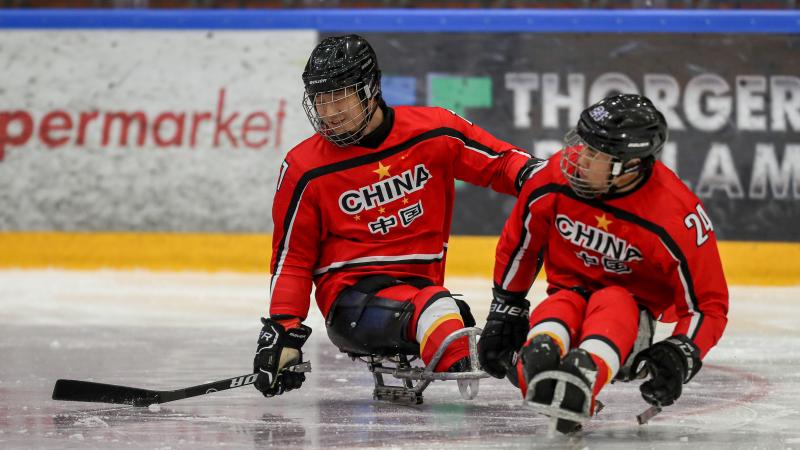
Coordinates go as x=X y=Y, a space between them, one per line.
x=366 y=324
x=466 y=314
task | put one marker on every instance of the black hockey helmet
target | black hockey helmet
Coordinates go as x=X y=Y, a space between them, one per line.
x=339 y=62
x=625 y=126
x=345 y=65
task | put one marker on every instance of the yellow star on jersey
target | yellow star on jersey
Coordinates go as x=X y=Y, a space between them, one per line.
x=357 y=217
x=382 y=171
x=603 y=222
x=405 y=200
x=381 y=210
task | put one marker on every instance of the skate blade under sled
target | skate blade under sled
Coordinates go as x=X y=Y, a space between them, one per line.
x=553 y=409
x=399 y=367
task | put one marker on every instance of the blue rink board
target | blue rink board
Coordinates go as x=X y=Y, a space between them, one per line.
x=396 y=20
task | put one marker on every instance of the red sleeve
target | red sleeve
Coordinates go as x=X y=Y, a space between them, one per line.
x=481 y=158
x=519 y=251
x=701 y=293
x=295 y=243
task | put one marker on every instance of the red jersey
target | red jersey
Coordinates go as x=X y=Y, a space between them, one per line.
x=344 y=213
x=655 y=241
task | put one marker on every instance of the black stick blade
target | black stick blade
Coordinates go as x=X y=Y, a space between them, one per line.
x=87 y=391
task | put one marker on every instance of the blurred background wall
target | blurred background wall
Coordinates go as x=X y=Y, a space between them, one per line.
x=152 y=138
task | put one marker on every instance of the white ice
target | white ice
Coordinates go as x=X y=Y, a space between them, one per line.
x=171 y=330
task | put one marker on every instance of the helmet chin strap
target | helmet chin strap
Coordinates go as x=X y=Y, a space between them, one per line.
x=618 y=169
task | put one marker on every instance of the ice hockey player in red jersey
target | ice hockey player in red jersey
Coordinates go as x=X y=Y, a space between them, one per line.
x=362 y=211
x=622 y=240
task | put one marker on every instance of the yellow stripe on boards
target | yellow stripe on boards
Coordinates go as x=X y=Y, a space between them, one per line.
x=744 y=263
x=761 y=263
x=753 y=263
x=154 y=251
x=432 y=328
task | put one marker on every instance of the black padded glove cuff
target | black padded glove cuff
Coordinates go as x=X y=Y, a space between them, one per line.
x=508 y=306
x=296 y=337
x=688 y=352
x=528 y=169
x=291 y=338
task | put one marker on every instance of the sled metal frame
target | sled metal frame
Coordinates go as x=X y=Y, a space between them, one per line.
x=553 y=410
x=399 y=366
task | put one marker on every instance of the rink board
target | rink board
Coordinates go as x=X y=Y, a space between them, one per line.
x=192 y=189
x=163 y=130
x=747 y=263
x=178 y=121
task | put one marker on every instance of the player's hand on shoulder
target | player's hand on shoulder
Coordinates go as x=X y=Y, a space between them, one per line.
x=528 y=170
x=279 y=348
x=504 y=333
x=670 y=364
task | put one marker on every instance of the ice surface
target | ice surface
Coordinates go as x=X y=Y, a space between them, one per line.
x=172 y=330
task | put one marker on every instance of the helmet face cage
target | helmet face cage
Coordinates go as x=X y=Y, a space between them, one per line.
x=341 y=127
x=579 y=176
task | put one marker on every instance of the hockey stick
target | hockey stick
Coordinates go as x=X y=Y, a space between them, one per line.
x=88 y=391
x=648 y=414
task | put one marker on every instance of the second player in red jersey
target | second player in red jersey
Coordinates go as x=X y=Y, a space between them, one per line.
x=363 y=210
x=622 y=240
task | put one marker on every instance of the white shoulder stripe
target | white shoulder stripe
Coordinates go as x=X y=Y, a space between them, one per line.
x=476 y=150
x=516 y=150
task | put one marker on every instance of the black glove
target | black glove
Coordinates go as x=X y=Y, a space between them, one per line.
x=278 y=348
x=505 y=332
x=530 y=167
x=671 y=363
